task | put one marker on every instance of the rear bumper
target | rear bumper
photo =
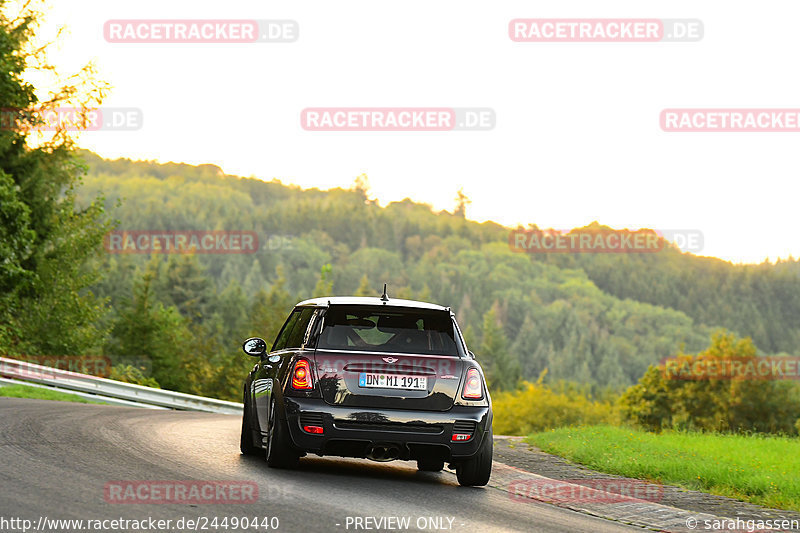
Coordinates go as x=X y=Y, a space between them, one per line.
x=352 y=432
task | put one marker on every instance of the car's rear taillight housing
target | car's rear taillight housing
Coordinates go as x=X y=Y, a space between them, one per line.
x=316 y=430
x=473 y=389
x=301 y=375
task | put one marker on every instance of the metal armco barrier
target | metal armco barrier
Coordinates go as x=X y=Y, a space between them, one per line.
x=108 y=388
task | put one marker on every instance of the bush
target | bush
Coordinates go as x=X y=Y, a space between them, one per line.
x=131 y=374
x=537 y=407
x=665 y=399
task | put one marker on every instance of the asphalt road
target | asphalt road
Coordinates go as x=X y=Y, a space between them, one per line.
x=57 y=459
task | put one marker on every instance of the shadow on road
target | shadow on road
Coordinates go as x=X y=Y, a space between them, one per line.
x=356 y=468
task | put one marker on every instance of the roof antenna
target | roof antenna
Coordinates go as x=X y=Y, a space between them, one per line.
x=384 y=296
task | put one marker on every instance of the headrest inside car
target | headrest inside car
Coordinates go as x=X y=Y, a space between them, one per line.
x=390 y=324
x=359 y=323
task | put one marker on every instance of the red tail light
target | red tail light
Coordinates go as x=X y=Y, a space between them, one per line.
x=460 y=437
x=317 y=430
x=301 y=375
x=473 y=390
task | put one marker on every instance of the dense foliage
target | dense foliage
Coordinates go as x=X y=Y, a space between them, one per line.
x=660 y=401
x=537 y=407
x=45 y=239
x=522 y=314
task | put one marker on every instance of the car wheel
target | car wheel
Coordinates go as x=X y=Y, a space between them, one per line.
x=246 y=441
x=279 y=446
x=476 y=470
x=430 y=465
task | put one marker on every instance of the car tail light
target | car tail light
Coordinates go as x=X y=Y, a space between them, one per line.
x=301 y=375
x=460 y=437
x=317 y=430
x=472 y=386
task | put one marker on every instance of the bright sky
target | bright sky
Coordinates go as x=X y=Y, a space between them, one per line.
x=577 y=136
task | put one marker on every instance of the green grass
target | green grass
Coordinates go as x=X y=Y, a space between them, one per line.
x=24 y=391
x=755 y=468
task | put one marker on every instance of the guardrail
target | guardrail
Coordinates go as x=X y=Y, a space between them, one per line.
x=108 y=389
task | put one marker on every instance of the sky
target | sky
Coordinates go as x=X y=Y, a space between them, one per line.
x=576 y=138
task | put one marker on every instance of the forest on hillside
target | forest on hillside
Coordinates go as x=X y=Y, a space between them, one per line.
x=595 y=319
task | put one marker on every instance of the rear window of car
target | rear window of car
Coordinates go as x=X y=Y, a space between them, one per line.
x=388 y=330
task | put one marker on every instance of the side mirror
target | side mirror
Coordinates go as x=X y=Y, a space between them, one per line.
x=255 y=346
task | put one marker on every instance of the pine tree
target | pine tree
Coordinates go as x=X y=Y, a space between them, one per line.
x=363 y=287
x=147 y=329
x=501 y=367
x=324 y=285
x=182 y=282
x=269 y=310
x=254 y=281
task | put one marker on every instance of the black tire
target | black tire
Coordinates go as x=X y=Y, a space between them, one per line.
x=475 y=471
x=280 y=452
x=430 y=465
x=246 y=441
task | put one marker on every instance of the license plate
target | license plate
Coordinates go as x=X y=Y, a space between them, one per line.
x=392 y=381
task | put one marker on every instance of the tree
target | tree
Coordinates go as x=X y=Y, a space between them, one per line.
x=462 y=201
x=470 y=337
x=51 y=240
x=363 y=287
x=231 y=308
x=146 y=328
x=16 y=243
x=362 y=188
x=501 y=367
x=324 y=286
x=254 y=281
x=132 y=374
x=424 y=295
x=672 y=396
x=182 y=282
x=270 y=309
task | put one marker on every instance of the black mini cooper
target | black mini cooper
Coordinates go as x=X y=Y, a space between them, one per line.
x=377 y=378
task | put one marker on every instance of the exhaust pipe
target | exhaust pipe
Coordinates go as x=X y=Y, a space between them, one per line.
x=383 y=452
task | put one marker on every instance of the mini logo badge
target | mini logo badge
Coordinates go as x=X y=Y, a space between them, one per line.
x=390 y=359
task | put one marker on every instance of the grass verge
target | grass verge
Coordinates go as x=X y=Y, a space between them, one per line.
x=754 y=468
x=24 y=391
